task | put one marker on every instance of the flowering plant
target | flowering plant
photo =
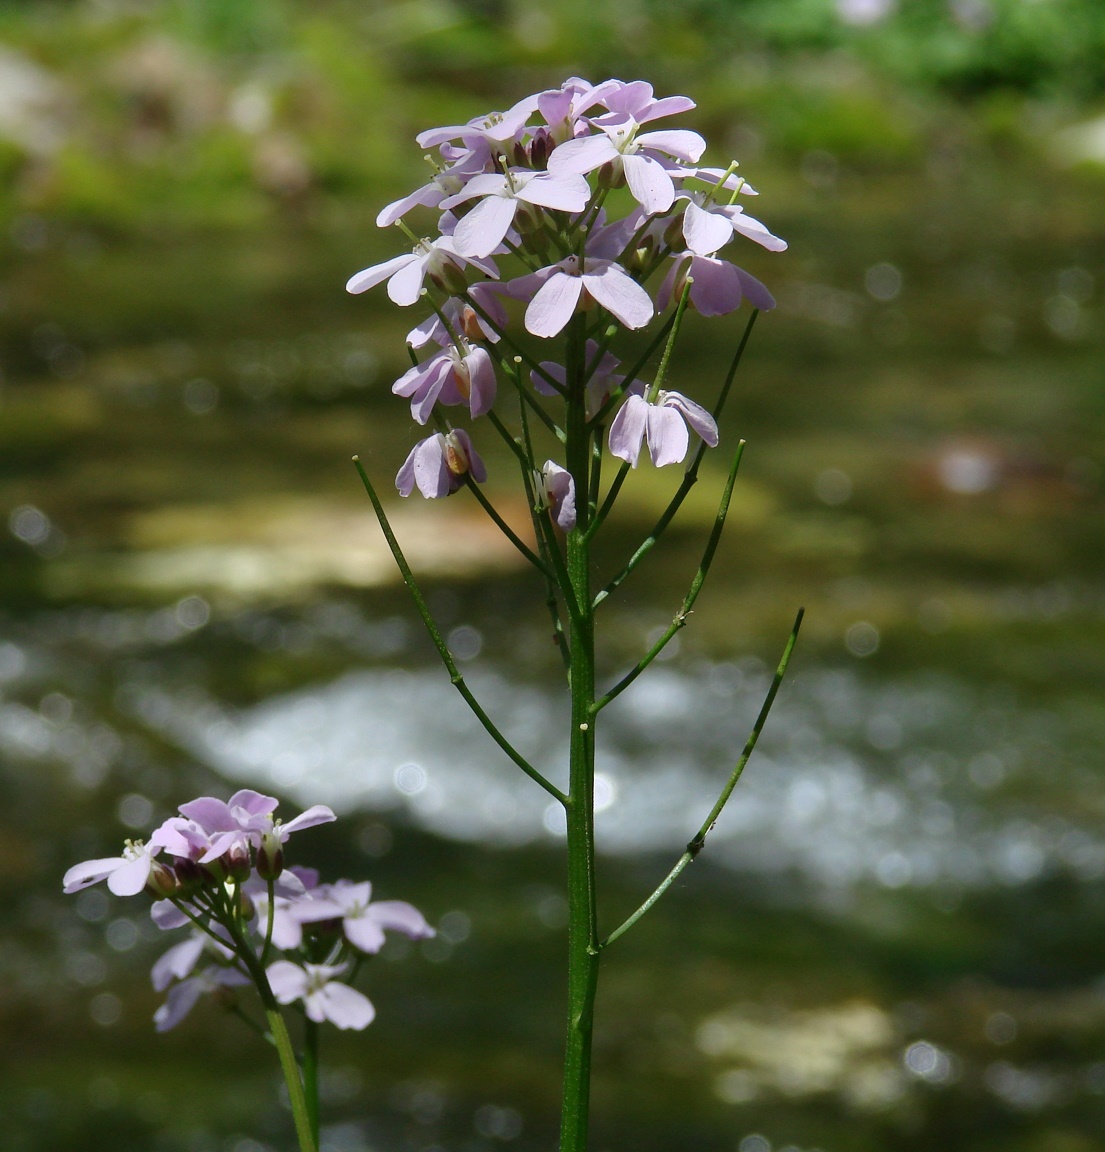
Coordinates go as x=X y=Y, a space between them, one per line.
x=223 y=874
x=538 y=189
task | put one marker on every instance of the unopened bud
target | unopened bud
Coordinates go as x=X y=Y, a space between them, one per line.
x=249 y=909
x=673 y=233
x=162 y=881
x=520 y=157
x=237 y=861
x=450 y=278
x=456 y=458
x=270 y=857
x=540 y=147
x=525 y=220
x=470 y=324
x=189 y=874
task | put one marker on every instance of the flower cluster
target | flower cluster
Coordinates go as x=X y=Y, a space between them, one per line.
x=218 y=867
x=538 y=184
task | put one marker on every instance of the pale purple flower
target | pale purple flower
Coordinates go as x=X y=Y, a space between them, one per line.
x=601 y=383
x=555 y=292
x=247 y=818
x=126 y=875
x=561 y=108
x=324 y=997
x=363 y=921
x=663 y=424
x=717 y=286
x=555 y=490
x=464 y=319
x=406 y=274
x=446 y=182
x=708 y=227
x=463 y=375
x=482 y=229
x=437 y=465
x=183 y=996
x=496 y=129
x=643 y=157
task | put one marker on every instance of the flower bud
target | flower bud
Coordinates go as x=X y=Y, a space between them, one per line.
x=456 y=458
x=270 y=857
x=520 y=157
x=189 y=874
x=673 y=233
x=237 y=860
x=249 y=909
x=450 y=278
x=162 y=881
x=470 y=324
x=540 y=147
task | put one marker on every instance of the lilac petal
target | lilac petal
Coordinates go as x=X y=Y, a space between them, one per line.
x=287 y=980
x=405 y=286
x=756 y=294
x=350 y=896
x=620 y=295
x=556 y=371
x=668 y=439
x=210 y=814
x=425 y=468
x=167 y=915
x=581 y=155
x=705 y=232
x=668 y=106
x=476 y=467
x=220 y=844
x=378 y=273
x=650 y=184
x=180 y=1001
x=552 y=307
x=486 y=184
x=717 y=286
x=629 y=98
x=316 y=814
x=566 y=192
x=429 y=194
x=255 y=803
x=418 y=376
x=131 y=878
x=399 y=916
x=483 y=229
x=319 y=908
x=90 y=872
x=677 y=142
x=176 y=963
x=287 y=931
x=752 y=228
x=364 y=933
x=628 y=429
x=342 y=1006
x=695 y=415
x=481 y=376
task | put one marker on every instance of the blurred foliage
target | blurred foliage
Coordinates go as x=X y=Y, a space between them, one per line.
x=185 y=113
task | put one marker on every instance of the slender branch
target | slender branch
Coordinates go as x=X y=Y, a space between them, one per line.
x=698 y=841
x=680 y=620
x=608 y=503
x=272 y=921
x=505 y=528
x=442 y=648
x=283 y=1041
x=544 y=546
x=310 y=1073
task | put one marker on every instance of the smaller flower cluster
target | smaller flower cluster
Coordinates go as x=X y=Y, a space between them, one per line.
x=218 y=867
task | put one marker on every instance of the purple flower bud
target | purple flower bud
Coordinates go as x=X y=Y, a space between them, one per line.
x=162 y=881
x=270 y=856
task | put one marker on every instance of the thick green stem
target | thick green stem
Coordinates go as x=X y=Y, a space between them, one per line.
x=300 y=1113
x=583 y=950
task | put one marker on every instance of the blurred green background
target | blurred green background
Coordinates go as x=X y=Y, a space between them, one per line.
x=895 y=940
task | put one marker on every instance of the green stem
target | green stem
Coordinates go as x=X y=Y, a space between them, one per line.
x=439 y=643
x=583 y=950
x=698 y=842
x=296 y=1095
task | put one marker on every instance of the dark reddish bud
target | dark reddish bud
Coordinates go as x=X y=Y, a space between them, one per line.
x=540 y=147
x=190 y=874
x=162 y=881
x=270 y=857
x=238 y=863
